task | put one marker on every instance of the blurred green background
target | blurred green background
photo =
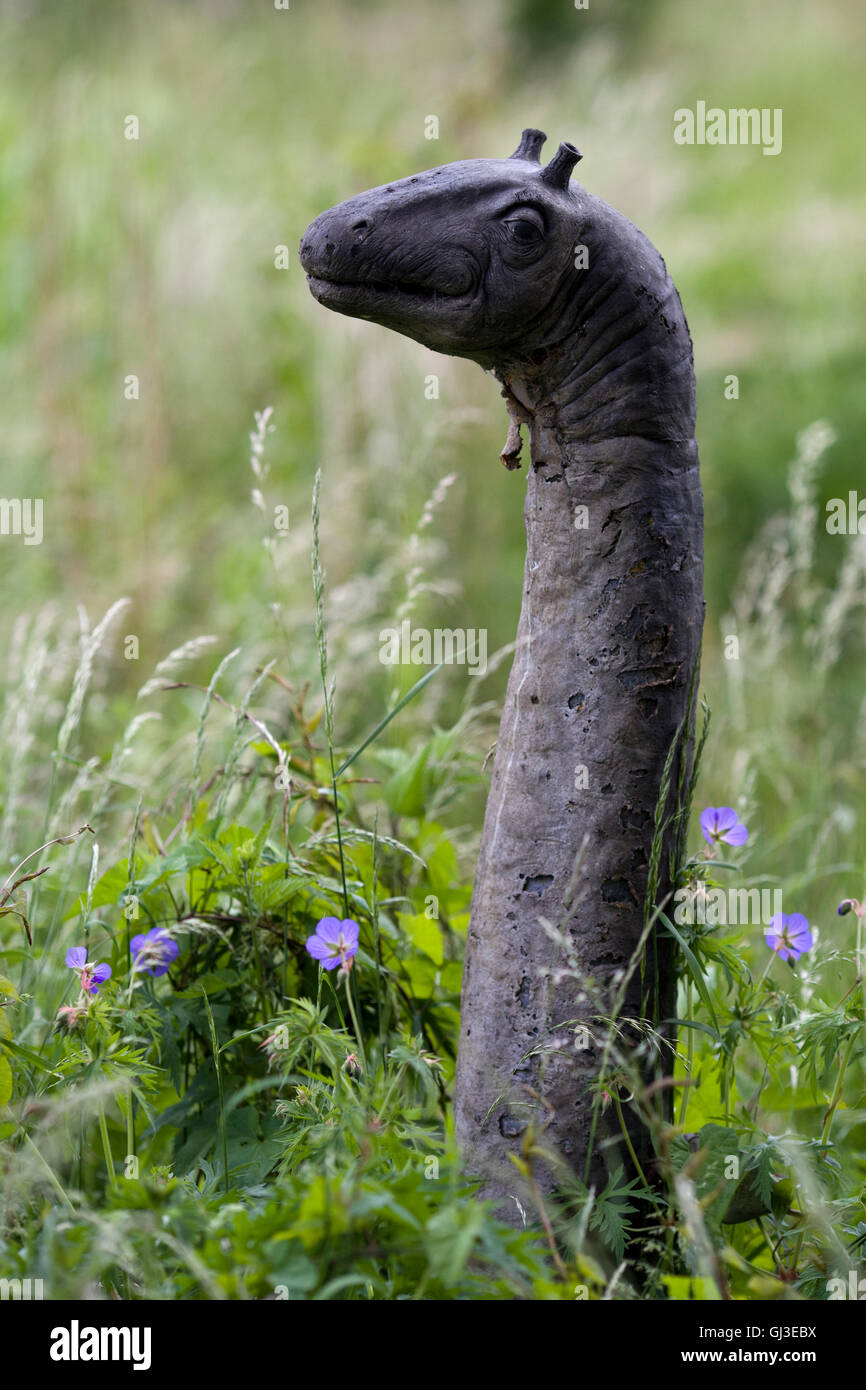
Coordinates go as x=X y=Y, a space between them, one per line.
x=155 y=257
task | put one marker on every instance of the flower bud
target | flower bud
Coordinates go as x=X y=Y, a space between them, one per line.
x=70 y=1018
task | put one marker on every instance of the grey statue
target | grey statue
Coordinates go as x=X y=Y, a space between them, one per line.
x=513 y=265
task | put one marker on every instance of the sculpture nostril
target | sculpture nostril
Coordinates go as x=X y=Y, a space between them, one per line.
x=330 y=248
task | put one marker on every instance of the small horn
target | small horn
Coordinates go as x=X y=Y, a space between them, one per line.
x=530 y=145
x=558 y=171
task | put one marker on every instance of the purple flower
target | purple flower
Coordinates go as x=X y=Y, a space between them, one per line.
x=154 y=952
x=92 y=976
x=789 y=936
x=334 y=942
x=721 y=823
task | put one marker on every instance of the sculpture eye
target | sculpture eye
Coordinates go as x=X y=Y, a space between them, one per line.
x=524 y=230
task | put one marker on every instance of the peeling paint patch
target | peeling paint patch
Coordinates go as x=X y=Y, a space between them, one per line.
x=607 y=594
x=537 y=884
x=617 y=891
x=641 y=677
x=511 y=1128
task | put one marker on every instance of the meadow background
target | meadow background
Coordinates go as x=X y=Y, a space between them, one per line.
x=156 y=257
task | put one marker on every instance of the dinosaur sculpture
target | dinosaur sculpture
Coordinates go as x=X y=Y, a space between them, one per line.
x=510 y=264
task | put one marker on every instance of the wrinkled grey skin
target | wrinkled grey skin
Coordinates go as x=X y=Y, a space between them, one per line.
x=477 y=259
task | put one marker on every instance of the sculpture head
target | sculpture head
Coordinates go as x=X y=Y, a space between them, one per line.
x=507 y=262
x=475 y=259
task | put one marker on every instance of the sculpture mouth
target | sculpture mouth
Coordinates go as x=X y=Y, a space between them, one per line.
x=376 y=293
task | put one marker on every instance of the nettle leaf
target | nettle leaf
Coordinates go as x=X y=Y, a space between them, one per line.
x=424 y=933
x=405 y=792
x=214 y=982
x=108 y=891
x=296 y=1271
x=222 y=855
x=422 y=975
x=276 y=889
x=249 y=852
x=190 y=855
x=450 y=1237
x=441 y=857
x=451 y=976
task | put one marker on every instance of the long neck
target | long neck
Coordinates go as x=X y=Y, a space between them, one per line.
x=611 y=354
x=607 y=647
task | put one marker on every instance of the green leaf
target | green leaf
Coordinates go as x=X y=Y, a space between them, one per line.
x=694 y=969
x=32 y=1058
x=611 y=1211
x=404 y=792
x=107 y=892
x=5 y=1081
x=422 y=977
x=450 y=1238
x=214 y=982
x=441 y=857
x=189 y=855
x=424 y=934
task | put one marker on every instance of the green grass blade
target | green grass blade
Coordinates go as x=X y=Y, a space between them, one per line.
x=383 y=723
x=694 y=970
